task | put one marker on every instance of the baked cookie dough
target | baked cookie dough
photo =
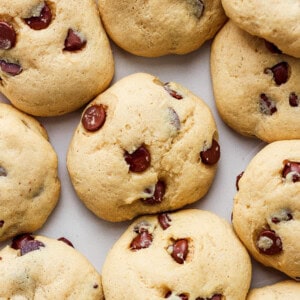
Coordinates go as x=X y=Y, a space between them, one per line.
x=156 y=28
x=143 y=147
x=275 y=21
x=36 y=267
x=256 y=89
x=29 y=181
x=285 y=290
x=266 y=212
x=54 y=55
x=190 y=254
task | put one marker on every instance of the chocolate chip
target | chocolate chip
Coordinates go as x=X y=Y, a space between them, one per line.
x=19 y=240
x=74 y=41
x=172 y=92
x=3 y=172
x=10 y=68
x=66 y=241
x=139 y=160
x=281 y=216
x=1 y=223
x=211 y=155
x=280 y=71
x=214 y=297
x=199 y=8
x=179 y=250
x=175 y=296
x=7 y=36
x=141 y=241
x=40 y=18
x=164 y=220
x=238 y=180
x=158 y=194
x=26 y=243
x=268 y=242
x=94 y=117
x=174 y=119
x=272 y=48
x=291 y=171
x=31 y=246
x=267 y=106
x=294 y=99
x=95 y=286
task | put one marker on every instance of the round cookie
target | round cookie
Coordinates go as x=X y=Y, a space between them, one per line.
x=285 y=290
x=275 y=21
x=54 y=55
x=190 y=254
x=29 y=181
x=157 y=28
x=36 y=267
x=143 y=147
x=256 y=89
x=266 y=212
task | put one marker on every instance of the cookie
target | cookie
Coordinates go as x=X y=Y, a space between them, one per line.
x=54 y=55
x=289 y=290
x=37 y=267
x=266 y=212
x=256 y=89
x=157 y=28
x=143 y=147
x=29 y=181
x=275 y=21
x=190 y=254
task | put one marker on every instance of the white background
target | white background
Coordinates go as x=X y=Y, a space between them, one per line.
x=94 y=237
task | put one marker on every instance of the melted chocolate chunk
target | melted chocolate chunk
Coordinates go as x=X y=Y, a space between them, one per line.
x=94 y=117
x=211 y=155
x=42 y=20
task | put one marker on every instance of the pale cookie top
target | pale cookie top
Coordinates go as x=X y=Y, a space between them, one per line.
x=155 y=28
x=36 y=267
x=190 y=254
x=29 y=181
x=276 y=21
x=285 y=290
x=54 y=55
x=143 y=147
x=256 y=88
x=266 y=213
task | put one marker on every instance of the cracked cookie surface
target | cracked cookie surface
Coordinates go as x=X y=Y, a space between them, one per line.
x=155 y=28
x=266 y=212
x=54 y=55
x=255 y=86
x=143 y=147
x=190 y=254
x=29 y=181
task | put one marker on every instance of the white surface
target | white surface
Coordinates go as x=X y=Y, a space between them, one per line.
x=94 y=237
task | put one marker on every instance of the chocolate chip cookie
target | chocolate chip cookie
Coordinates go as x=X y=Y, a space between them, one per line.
x=287 y=289
x=143 y=147
x=256 y=87
x=190 y=254
x=156 y=28
x=275 y=21
x=266 y=212
x=36 y=267
x=29 y=181
x=54 y=55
